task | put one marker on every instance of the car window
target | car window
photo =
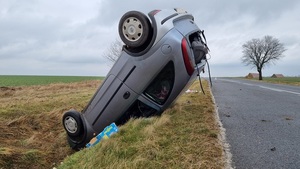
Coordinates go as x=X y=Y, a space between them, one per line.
x=161 y=87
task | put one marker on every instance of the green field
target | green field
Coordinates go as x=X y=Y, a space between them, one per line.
x=18 y=80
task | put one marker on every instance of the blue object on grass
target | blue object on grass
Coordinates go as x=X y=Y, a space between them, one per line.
x=105 y=134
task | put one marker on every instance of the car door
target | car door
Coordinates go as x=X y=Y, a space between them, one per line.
x=110 y=102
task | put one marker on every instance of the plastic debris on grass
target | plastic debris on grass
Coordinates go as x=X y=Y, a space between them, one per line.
x=105 y=134
x=191 y=91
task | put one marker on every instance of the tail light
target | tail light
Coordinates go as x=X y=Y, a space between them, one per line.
x=187 y=61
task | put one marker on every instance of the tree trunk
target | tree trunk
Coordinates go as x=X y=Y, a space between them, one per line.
x=260 y=75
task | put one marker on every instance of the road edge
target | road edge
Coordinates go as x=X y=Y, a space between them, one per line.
x=227 y=156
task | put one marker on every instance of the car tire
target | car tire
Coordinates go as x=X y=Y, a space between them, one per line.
x=74 y=144
x=134 y=29
x=72 y=123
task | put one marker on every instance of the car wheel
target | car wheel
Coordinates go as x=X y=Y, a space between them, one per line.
x=134 y=29
x=72 y=123
x=74 y=144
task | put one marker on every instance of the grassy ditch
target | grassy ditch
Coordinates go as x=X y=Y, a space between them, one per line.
x=185 y=136
x=32 y=135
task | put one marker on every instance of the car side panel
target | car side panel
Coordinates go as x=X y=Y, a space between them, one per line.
x=149 y=68
x=101 y=97
x=115 y=108
x=123 y=67
x=109 y=102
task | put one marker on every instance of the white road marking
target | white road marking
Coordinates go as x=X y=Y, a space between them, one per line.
x=264 y=87
x=279 y=90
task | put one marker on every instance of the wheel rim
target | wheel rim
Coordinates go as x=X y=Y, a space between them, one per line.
x=71 y=124
x=132 y=29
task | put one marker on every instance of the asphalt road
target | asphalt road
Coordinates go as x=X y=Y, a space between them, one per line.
x=262 y=122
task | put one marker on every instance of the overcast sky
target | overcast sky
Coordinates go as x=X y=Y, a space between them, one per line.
x=69 y=37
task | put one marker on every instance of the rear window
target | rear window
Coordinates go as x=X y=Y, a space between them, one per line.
x=161 y=87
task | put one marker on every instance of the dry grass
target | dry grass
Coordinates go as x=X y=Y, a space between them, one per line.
x=185 y=136
x=31 y=134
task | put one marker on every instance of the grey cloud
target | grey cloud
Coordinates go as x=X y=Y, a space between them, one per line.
x=61 y=34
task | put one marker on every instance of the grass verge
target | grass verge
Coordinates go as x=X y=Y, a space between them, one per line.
x=295 y=81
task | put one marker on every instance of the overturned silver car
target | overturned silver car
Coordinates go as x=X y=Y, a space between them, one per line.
x=162 y=56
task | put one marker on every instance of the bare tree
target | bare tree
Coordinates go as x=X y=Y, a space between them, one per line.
x=261 y=52
x=114 y=51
